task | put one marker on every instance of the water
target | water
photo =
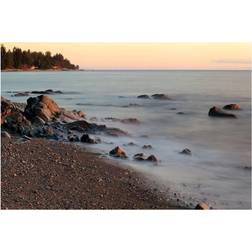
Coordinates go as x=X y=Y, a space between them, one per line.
x=220 y=147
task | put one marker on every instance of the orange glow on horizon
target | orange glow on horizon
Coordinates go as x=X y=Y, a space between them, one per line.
x=149 y=55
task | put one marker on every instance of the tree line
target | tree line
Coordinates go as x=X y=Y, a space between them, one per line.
x=25 y=60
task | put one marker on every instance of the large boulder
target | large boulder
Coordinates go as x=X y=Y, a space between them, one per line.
x=118 y=152
x=217 y=112
x=161 y=97
x=43 y=107
x=232 y=107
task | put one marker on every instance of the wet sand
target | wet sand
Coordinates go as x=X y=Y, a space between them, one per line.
x=43 y=174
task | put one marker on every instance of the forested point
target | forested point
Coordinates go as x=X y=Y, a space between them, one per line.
x=27 y=60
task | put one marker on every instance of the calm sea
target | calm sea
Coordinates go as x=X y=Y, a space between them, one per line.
x=221 y=148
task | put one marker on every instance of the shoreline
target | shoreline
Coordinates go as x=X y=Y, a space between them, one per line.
x=70 y=177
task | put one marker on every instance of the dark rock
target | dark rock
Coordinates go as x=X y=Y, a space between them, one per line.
x=142 y=157
x=84 y=126
x=118 y=152
x=48 y=91
x=43 y=107
x=186 y=151
x=232 y=107
x=217 y=112
x=22 y=94
x=202 y=206
x=161 y=97
x=130 y=144
x=139 y=157
x=147 y=146
x=180 y=113
x=247 y=168
x=86 y=139
x=143 y=96
x=17 y=122
x=152 y=158
x=73 y=138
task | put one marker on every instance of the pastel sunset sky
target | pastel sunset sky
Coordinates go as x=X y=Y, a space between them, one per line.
x=149 y=55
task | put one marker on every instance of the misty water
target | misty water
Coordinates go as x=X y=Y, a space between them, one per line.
x=221 y=147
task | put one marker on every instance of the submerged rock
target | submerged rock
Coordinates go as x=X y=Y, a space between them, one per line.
x=147 y=146
x=69 y=116
x=84 y=126
x=232 y=107
x=186 y=151
x=202 y=206
x=130 y=121
x=118 y=152
x=43 y=107
x=21 y=94
x=115 y=132
x=217 y=112
x=161 y=97
x=143 y=96
x=142 y=157
x=48 y=91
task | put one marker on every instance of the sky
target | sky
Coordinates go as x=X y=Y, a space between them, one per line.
x=218 y=56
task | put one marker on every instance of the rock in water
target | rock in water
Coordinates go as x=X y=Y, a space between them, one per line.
x=202 y=206
x=147 y=146
x=118 y=152
x=139 y=157
x=217 y=112
x=152 y=158
x=161 y=97
x=86 y=139
x=43 y=107
x=143 y=96
x=232 y=107
x=186 y=151
x=73 y=138
x=5 y=134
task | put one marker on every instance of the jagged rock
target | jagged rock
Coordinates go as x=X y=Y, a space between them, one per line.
x=217 y=112
x=118 y=152
x=17 y=122
x=86 y=139
x=161 y=97
x=186 y=151
x=147 y=146
x=202 y=206
x=232 y=107
x=43 y=107
x=143 y=96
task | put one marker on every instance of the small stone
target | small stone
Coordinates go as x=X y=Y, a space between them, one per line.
x=186 y=151
x=202 y=206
